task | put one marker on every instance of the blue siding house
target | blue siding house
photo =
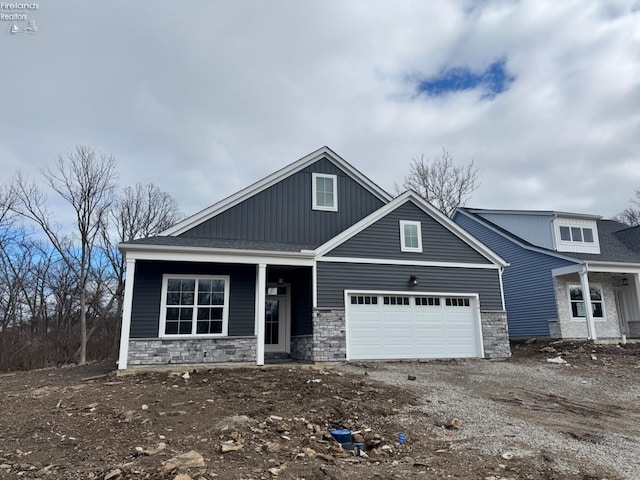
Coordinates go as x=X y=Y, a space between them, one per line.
x=554 y=257
x=315 y=263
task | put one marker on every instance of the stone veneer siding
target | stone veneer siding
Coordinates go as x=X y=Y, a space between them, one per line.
x=157 y=351
x=495 y=334
x=571 y=328
x=329 y=335
x=302 y=347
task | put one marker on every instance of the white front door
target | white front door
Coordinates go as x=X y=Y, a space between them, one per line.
x=276 y=319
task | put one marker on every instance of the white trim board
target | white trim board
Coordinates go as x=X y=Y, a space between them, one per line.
x=417 y=263
x=270 y=180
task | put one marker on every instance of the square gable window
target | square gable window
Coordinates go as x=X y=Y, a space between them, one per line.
x=410 y=236
x=325 y=192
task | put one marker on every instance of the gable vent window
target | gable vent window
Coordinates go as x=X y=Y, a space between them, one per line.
x=410 y=236
x=325 y=192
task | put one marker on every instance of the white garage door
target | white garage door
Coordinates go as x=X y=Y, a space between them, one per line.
x=394 y=326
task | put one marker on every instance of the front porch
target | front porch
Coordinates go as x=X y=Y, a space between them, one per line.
x=610 y=311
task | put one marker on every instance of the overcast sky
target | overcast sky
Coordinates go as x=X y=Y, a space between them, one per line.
x=203 y=98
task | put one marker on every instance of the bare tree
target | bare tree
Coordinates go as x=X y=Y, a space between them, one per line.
x=445 y=185
x=631 y=214
x=138 y=212
x=86 y=182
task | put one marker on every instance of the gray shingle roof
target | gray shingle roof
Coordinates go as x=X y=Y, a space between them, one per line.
x=612 y=247
x=168 y=241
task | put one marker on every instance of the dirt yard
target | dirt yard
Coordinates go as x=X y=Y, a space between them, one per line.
x=524 y=418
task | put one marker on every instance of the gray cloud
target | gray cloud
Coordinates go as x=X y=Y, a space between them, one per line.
x=204 y=98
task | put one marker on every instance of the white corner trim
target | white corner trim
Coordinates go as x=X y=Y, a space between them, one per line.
x=270 y=180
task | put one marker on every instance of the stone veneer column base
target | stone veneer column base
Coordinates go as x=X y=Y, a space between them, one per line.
x=302 y=347
x=495 y=334
x=160 y=351
x=329 y=335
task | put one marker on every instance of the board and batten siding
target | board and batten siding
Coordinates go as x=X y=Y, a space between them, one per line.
x=283 y=212
x=147 y=291
x=527 y=281
x=334 y=278
x=382 y=240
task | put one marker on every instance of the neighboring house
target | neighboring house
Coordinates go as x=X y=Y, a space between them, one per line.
x=317 y=263
x=554 y=258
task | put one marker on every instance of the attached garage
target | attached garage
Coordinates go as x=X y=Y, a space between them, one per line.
x=383 y=325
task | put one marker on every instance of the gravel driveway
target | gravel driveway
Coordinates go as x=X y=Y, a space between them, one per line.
x=567 y=416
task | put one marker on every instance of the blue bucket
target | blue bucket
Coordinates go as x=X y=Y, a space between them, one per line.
x=341 y=435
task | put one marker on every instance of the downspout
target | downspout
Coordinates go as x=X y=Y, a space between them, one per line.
x=586 y=298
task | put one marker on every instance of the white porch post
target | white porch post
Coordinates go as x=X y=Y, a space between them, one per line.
x=588 y=309
x=261 y=286
x=126 y=314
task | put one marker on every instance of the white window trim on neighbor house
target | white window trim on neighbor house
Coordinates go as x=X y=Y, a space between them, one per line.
x=317 y=205
x=575 y=242
x=403 y=244
x=194 y=317
x=597 y=286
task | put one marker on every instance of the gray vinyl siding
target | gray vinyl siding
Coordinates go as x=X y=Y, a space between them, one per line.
x=283 y=212
x=527 y=281
x=535 y=229
x=147 y=290
x=334 y=278
x=382 y=240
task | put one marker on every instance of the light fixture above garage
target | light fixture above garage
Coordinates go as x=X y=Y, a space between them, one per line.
x=413 y=280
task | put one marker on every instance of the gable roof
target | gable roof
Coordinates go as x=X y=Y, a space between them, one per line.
x=614 y=243
x=429 y=209
x=272 y=179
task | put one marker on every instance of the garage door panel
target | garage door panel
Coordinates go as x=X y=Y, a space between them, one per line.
x=443 y=328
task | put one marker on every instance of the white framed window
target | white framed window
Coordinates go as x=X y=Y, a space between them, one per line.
x=576 y=234
x=194 y=305
x=410 y=236
x=576 y=298
x=325 y=192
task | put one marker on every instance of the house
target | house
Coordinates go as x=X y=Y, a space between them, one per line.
x=316 y=263
x=554 y=258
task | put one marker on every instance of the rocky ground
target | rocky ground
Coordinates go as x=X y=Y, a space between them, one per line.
x=525 y=418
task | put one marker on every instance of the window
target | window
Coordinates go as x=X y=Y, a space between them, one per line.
x=395 y=300
x=410 y=236
x=428 y=301
x=363 y=300
x=576 y=234
x=457 y=302
x=325 y=192
x=194 y=305
x=577 y=301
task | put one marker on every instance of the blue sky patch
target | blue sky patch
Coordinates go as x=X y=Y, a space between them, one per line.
x=492 y=81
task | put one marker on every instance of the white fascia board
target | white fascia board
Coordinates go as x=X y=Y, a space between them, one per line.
x=430 y=210
x=483 y=222
x=414 y=263
x=597 y=267
x=268 y=181
x=217 y=255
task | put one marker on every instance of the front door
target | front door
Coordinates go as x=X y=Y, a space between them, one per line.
x=276 y=319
